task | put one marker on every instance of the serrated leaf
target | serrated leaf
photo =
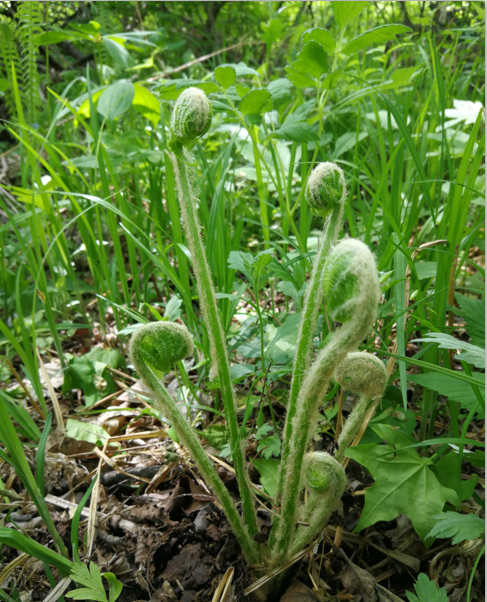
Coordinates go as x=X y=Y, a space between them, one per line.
x=297 y=132
x=460 y=527
x=173 y=308
x=225 y=76
x=427 y=591
x=91 y=579
x=268 y=470
x=243 y=262
x=272 y=31
x=312 y=60
x=473 y=354
x=473 y=311
x=404 y=484
x=347 y=11
x=300 y=80
x=452 y=388
x=380 y=34
x=256 y=102
x=322 y=36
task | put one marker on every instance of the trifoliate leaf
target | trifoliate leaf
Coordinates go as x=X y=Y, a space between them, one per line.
x=458 y=526
x=299 y=79
x=473 y=354
x=322 y=36
x=427 y=591
x=312 y=60
x=256 y=102
x=404 y=484
x=225 y=76
x=380 y=34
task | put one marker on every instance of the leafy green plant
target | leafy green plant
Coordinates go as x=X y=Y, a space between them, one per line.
x=351 y=289
x=426 y=590
x=93 y=585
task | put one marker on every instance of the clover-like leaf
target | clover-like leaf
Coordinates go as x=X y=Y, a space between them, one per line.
x=312 y=60
x=225 y=76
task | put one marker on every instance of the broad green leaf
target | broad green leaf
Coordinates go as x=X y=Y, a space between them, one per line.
x=446 y=471
x=268 y=470
x=427 y=591
x=272 y=31
x=146 y=104
x=241 y=69
x=460 y=527
x=473 y=354
x=347 y=11
x=452 y=388
x=225 y=76
x=116 y=99
x=426 y=269
x=299 y=79
x=297 y=132
x=86 y=431
x=58 y=35
x=115 y=587
x=280 y=89
x=240 y=371
x=209 y=87
x=312 y=60
x=322 y=36
x=380 y=34
x=119 y=54
x=402 y=77
x=404 y=484
x=287 y=333
x=256 y=102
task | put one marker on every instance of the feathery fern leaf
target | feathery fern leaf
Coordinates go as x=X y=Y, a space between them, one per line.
x=30 y=15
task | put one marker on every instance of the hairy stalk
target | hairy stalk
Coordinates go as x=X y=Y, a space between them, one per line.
x=191 y=119
x=322 y=202
x=352 y=292
x=365 y=374
x=326 y=481
x=152 y=347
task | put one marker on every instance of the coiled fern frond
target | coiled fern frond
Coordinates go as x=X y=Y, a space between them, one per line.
x=30 y=16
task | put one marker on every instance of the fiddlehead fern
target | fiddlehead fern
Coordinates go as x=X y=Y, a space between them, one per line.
x=191 y=119
x=366 y=375
x=352 y=292
x=156 y=346
x=326 y=481
x=326 y=193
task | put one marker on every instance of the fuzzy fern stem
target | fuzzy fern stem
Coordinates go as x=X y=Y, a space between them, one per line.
x=351 y=288
x=326 y=193
x=192 y=109
x=153 y=347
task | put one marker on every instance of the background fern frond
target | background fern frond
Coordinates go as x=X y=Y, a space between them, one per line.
x=30 y=16
x=8 y=55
